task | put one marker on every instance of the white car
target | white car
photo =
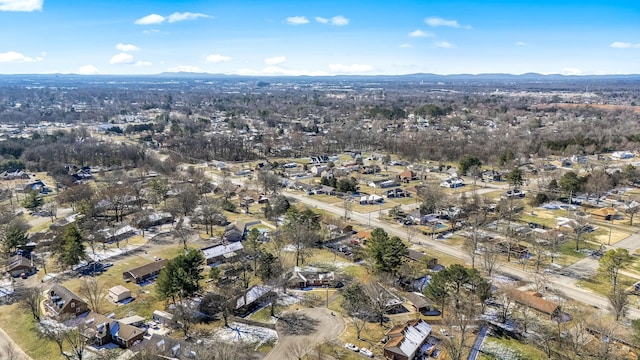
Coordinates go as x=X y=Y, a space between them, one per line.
x=351 y=347
x=366 y=352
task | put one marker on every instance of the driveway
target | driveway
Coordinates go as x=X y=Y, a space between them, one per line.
x=327 y=327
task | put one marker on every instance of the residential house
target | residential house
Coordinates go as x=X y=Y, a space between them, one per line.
x=406 y=341
x=62 y=302
x=119 y=293
x=452 y=182
x=146 y=272
x=430 y=261
x=37 y=186
x=407 y=175
x=309 y=276
x=119 y=234
x=317 y=170
x=420 y=302
x=535 y=302
x=604 y=214
x=397 y=193
x=226 y=252
x=371 y=199
x=162 y=317
x=383 y=184
x=13 y=175
x=491 y=175
x=18 y=265
x=622 y=155
x=101 y=330
x=252 y=298
x=155 y=219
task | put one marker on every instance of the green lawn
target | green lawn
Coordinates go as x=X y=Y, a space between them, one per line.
x=600 y=283
x=20 y=326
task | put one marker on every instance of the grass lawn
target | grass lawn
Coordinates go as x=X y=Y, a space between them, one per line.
x=600 y=283
x=505 y=346
x=20 y=326
x=539 y=218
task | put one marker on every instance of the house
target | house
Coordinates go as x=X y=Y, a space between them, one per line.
x=407 y=175
x=453 y=182
x=252 y=298
x=155 y=219
x=162 y=317
x=18 y=265
x=119 y=293
x=37 y=186
x=622 y=155
x=119 y=234
x=101 y=330
x=491 y=175
x=383 y=184
x=604 y=214
x=62 y=302
x=227 y=252
x=371 y=199
x=397 y=193
x=145 y=272
x=419 y=302
x=317 y=170
x=513 y=193
x=535 y=302
x=413 y=255
x=308 y=277
x=165 y=347
x=12 y=175
x=406 y=341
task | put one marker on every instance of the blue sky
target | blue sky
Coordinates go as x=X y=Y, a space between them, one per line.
x=287 y=37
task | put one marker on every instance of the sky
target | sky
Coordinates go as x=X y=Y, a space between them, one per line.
x=307 y=37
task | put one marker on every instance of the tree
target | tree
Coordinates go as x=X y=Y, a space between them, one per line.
x=70 y=340
x=181 y=277
x=570 y=183
x=73 y=246
x=467 y=163
x=32 y=201
x=185 y=315
x=613 y=261
x=631 y=209
x=30 y=299
x=301 y=229
x=515 y=177
x=580 y=227
x=357 y=304
x=269 y=267
x=432 y=198
x=386 y=252
x=93 y=290
x=379 y=299
x=14 y=235
x=74 y=195
x=253 y=246
x=598 y=183
x=490 y=257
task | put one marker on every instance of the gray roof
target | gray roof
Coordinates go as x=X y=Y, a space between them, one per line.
x=221 y=250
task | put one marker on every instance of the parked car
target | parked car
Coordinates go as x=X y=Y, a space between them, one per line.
x=366 y=352
x=351 y=347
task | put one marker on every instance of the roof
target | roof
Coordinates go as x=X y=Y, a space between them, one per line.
x=607 y=211
x=253 y=294
x=221 y=250
x=119 y=290
x=534 y=301
x=418 y=300
x=116 y=328
x=132 y=319
x=406 y=339
x=148 y=268
x=18 y=261
x=406 y=174
x=65 y=294
x=363 y=234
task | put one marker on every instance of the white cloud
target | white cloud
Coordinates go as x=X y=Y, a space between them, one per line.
x=420 y=33
x=406 y=46
x=321 y=20
x=21 y=5
x=571 y=71
x=186 y=68
x=127 y=47
x=12 y=56
x=177 y=16
x=521 y=43
x=122 y=58
x=436 y=21
x=297 y=20
x=444 y=45
x=339 y=20
x=143 y=63
x=216 y=58
x=624 y=45
x=88 y=70
x=150 y=20
x=353 y=68
x=275 y=60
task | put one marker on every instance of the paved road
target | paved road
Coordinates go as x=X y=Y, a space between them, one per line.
x=329 y=327
x=565 y=285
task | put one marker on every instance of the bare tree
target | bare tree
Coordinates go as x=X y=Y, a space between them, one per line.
x=297 y=350
x=579 y=226
x=618 y=303
x=379 y=300
x=490 y=258
x=30 y=298
x=185 y=316
x=70 y=341
x=93 y=290
x=459 y=323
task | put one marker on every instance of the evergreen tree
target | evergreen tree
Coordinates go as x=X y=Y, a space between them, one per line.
x=73 y=246
x=385 y=252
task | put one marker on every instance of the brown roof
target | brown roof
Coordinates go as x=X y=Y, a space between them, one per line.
x=363 y=234
x=607 y=211
x=418 y=300
x=148 y=268
x=125 y=331
x=534 y=301
x=18 y=262
x=406 y=174
x=65 y=294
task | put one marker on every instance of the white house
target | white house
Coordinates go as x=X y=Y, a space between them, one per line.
x=119 y=293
